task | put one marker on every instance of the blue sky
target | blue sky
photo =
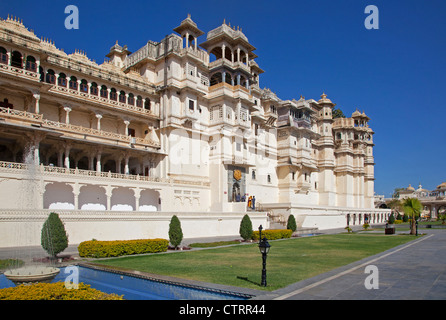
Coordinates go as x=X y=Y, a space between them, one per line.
x=395 y=74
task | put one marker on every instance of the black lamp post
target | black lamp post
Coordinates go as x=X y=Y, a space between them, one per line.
x=264 y=247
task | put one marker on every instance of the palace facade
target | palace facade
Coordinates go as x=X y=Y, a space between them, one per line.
x=175 y=127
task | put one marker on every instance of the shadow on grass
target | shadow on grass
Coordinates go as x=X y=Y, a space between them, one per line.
x=247 y=280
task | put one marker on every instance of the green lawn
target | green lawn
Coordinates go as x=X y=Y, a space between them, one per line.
x=289 y=261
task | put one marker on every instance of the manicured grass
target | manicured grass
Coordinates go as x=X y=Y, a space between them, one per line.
x=213 y=244
x=289 y=261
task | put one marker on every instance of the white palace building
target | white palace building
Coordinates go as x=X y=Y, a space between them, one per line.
x=175 y=127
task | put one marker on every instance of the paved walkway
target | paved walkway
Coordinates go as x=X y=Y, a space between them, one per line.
x=413 y=271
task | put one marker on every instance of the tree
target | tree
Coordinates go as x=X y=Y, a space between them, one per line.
x=54 y=238
x=394 y=204
x=246 y=228
x=291 y=223
x=391 y=219
x=413 y=208
x=337 y=113
x=175 y=232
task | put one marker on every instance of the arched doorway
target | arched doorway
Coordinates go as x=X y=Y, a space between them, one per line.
x=236 y=192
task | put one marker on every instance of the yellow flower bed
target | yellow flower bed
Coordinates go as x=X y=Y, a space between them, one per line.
x=55 y=291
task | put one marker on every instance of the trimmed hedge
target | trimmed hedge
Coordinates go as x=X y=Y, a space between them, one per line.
x=105 y=249
x=273 y=234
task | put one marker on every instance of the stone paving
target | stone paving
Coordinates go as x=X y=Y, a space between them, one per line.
x=413 y=271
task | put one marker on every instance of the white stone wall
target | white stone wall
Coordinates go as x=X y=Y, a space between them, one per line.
x=23 y=228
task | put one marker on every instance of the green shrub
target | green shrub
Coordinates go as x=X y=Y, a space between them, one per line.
x=246 y=228
x=105 y=249
x=54 y=238
x=366 y=226
x=175 y=232
x=405 y=218
x=391 y=219
x=348 y=229
x=398 y=221
x=273 y=234
x=291 y=223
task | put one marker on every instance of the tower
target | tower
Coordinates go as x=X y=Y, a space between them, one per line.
x=325 y=153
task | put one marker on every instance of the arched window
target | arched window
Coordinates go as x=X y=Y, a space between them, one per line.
x=216 y=78
x=50 y=77
x=228 y=78
x=3 y=56
x=84 y=86
x=243 y=81
x=17 y=59
x=139 y=102
x=73 y=83
x=147 y=104
x=215 y=54
x=113 y=94
x=94 y=89
x=104 y=92
x=131 y=99
x=122 y=97
x=62 y=81
x=31 y=64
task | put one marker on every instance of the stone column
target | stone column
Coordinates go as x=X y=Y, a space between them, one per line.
x=126 y=163
x=98 y=161
x=108 y=193
x=137 y=192
x=67 y=155
x=36 y=96
x=127 y=123
x=99 y=117
x=67 y=115
x=33 y=145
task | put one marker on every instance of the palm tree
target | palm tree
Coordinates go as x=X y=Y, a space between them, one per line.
x=412 y=207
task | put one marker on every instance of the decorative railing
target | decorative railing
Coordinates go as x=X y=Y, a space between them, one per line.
x=98 y=133
x=86 y=174
x=20 y=114
x=19 y=71
x=102 y=100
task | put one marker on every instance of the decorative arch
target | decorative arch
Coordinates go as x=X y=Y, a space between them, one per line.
x=92 y=197
x=216 y=78
x=17 y=59
x=149 y=200
x=122 y=199
x=58 y=195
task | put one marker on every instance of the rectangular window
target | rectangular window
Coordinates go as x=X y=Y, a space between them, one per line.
x=191 y=105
